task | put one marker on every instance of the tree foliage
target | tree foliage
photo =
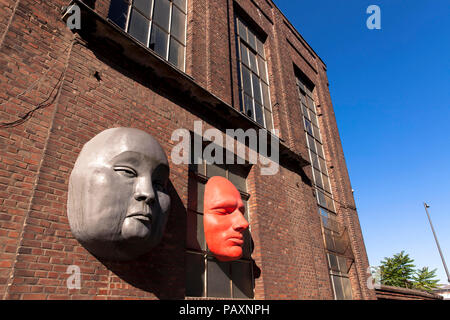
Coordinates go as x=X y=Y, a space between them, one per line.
x=399 y=271
x=424 y=279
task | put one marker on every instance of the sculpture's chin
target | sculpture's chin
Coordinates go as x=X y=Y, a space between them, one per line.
x=135 y=229
x=231 y=254
x=134 y=240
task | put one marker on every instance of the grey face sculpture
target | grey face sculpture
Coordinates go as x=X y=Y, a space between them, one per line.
x=118 y=203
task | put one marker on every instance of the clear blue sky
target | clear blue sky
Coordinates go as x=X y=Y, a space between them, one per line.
x=391 y=91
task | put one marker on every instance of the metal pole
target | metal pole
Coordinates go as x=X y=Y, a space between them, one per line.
x=437 y=242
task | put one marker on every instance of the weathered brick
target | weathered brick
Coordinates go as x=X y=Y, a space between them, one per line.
x=38 y=155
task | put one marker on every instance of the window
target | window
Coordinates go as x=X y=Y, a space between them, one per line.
x=205 y=275
x=254 y=89
x=335 y=237
x=158 y=24
x=315 y=147
x=339 y=277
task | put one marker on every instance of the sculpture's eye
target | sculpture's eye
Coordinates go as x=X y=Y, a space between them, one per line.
x=220 y=211
x=224 y=211
x=126 y=171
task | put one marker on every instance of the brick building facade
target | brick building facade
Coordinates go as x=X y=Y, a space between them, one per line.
x=159 y=66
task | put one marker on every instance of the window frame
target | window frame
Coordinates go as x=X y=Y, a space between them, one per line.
x=327 y=211
x=196 y=177
x=317 y=149
x=169 y=35
x=261 y=75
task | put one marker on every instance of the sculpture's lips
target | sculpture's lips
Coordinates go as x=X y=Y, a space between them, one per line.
x=239 y=240
x=143 y=216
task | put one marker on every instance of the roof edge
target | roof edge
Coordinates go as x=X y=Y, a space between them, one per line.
x=297 y=33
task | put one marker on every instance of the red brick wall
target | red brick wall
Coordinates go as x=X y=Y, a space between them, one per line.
x=286 y=231
x=36 y=245
x=30 y=43
x=342 y=189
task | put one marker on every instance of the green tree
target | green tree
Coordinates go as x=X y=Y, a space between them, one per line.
x=397 y=271
x=423 y=279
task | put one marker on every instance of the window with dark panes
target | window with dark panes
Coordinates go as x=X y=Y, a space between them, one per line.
x=158 y=24
x=205 y=275
x=315 y=147
x=334 y=238
x=339 y=277
x=254 y=89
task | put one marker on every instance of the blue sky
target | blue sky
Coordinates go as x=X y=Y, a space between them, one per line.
x=390 y=90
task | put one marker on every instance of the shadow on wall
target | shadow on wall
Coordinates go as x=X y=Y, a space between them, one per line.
x=112 y=54
x=90 y=3
x=160 y=272
x=114 y=48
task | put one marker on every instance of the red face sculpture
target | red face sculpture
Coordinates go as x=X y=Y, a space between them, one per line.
x=223 y=219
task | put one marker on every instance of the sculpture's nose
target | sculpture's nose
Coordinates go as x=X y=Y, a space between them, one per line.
x=240 y=224
x=144 y=190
